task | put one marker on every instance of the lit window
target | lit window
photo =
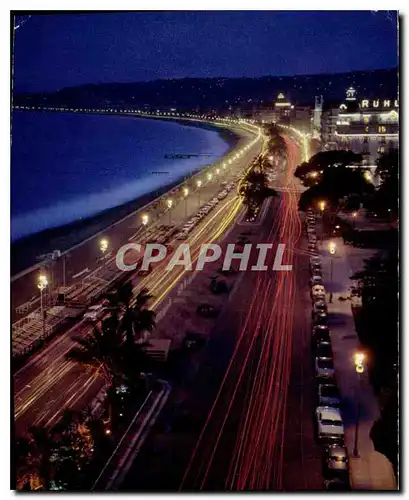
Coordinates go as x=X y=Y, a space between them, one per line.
x=382 y=129
x=381 y=149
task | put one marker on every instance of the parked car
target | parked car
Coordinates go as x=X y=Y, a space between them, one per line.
x=207 y=311
x=318 y=306
x=323 y=350
x=337 y=484
x=317 y=290
x=320 y=333
x=330 y=427
x=316 y=270
x=324 y=368
x=94 y=313
x=328 y=395
x=193 y=341
x=320 y=318
x=335 y=463
x=316 y=280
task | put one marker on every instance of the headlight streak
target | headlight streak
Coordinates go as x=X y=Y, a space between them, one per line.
x=257 y=459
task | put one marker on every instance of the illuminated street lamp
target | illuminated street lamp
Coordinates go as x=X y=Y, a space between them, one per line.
x=169 y=203
x=359 y=358
x=332 y=248
x=354 y=216
x=321 y=205
x=145 y=219
x=42 y=284
x=103 y=245
x=209 y=176
x=185 y=195
x=368 y=176
x=217 y=171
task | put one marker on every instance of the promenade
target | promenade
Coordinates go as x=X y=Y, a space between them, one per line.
x=370 y=470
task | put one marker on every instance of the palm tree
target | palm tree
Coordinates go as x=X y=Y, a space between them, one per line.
x=99 y=350
x=35 y=469
x=136 y=318
x=104 y=349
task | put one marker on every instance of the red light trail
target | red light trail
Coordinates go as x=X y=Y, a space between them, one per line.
x=253 y=394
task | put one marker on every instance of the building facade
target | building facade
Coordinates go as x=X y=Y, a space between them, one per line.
x=369 y=127
x=283 y=111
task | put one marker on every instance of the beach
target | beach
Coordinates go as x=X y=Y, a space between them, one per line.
x=25 y=252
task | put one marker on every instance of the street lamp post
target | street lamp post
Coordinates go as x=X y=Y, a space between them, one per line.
x=42 y=283
x=185 y=194
x=332 y=249
x=198 y=184
x=359 y=359
x=169 y=203
x=63 y=270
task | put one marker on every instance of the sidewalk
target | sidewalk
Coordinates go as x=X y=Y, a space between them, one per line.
x=372 y=470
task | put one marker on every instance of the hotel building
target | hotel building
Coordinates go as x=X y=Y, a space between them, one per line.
x=369 y=127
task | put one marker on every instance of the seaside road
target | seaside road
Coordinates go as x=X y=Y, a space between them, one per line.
x=250 y=405
x=84 y=258
x=48 y=383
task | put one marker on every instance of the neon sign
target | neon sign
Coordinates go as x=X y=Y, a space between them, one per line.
x=377 y=103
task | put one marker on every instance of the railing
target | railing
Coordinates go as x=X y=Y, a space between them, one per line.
x=119 y=463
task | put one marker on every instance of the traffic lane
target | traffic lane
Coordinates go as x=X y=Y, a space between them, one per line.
x=42 y=365
x=88 y=254
x=163 y=461
x=75 y=389
x=301 y=452
x=31 y=391
x=261 y=403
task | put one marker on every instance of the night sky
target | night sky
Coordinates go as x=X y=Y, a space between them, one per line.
x=55 y=51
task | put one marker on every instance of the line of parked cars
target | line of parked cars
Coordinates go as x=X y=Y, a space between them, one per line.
x=204 y=210
x=329 y=425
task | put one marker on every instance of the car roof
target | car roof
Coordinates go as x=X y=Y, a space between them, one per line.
x=330 y=413
x=324 y=384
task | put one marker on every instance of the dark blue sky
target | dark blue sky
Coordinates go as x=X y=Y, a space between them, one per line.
x=55 y=51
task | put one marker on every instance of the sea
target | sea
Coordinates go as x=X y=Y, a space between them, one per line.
x=67 y=167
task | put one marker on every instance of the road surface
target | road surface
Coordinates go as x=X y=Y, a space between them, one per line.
x=250 y=407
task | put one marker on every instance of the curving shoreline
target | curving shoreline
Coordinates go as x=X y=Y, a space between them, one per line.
x=25 y=250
